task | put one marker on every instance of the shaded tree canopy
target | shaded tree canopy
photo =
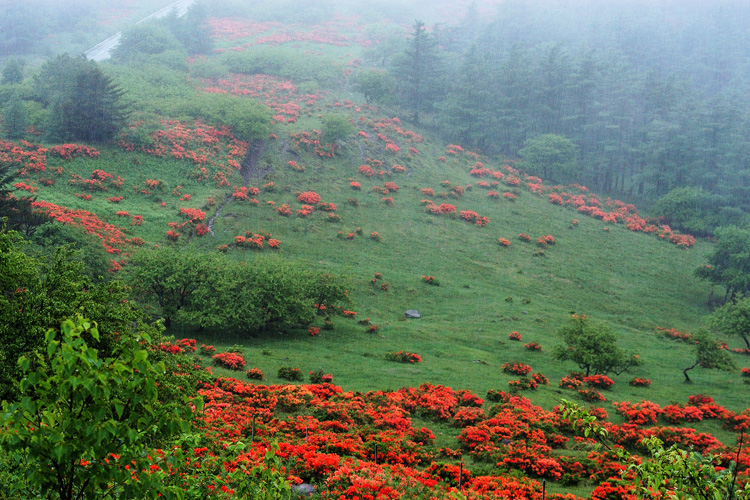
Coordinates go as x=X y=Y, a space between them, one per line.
x=710 y=355
x=733 y=319
x=593 y=347
x=83 y=103
x=729 y=263
x=550 y=156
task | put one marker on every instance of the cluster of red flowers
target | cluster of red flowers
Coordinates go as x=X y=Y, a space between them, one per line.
x=321 y=434
x=256 y=241
x=214 y=151
x=113 y=238
x=516 y=368
x=231 y=360
x=403 y=357
x=70 y=151
x=515 y=336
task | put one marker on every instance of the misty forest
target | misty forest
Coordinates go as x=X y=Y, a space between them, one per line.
x=468 y=249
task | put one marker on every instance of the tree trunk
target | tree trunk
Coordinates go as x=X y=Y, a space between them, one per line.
x=684 y=372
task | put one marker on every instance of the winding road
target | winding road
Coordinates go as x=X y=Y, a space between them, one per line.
x=103 y=50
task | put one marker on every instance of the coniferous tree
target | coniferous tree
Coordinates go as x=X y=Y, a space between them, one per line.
x=83 y=103
x=15 y=117
x=418 y=72
x=12 y=72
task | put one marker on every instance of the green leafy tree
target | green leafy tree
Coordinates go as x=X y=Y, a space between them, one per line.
x=375 y=85
x=37 y=293
x=335 y=128
x=191 y=29
x=249 y=119
x=15 y=117
x=90 y=419
x=145 y=39
x=709 y=354
x=550 y=156
x=169 y=278
x=267 y=295
x=83 y=103
x=593 y=347
x=695 y=210
x=418 y=72
x=733 y=319
x=729 y=263
x=12 y=71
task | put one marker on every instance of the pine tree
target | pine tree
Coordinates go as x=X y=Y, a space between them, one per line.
x=418 y=72
x=15 y=117
x=83 y=103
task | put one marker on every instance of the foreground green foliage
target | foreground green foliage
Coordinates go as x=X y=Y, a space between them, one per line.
x=90 y=419
x=36 y=294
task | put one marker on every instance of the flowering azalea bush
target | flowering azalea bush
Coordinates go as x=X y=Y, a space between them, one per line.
x=254 y=374
x=231 y=360
x=431 y=280
x=599 y=381
x=515 y=336
x=403 y=357
x=516 y=368
x=533 y=346
x=640 y=382
x=289 y=373
x=207 y=350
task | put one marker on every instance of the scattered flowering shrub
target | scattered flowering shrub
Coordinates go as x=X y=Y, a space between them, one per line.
x=516 y=368
x=291 y=374
x=524 y=237
x=533 y=346
x=320 y=377
x=403 y=357
x=207 y=350
x=591 y=395
x=231 y=360
x=503 y=242
x=254 y=374
x=599 y=381
x=640 y=382
x=375 y=236
x=515 y=336
x=641 y=413
x=313 y=331
x=431 y=280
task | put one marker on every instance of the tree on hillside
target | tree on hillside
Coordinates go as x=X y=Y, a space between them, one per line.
x=145 y=39
x=593 y=347
x=168 y=279
x=695 y=210
x=335 y=128
x=729 y=263
x=418 y=72
x=733 y=319
x=15 y=117
x=83 y=103
x=709 y=354
x=191 y=29
x=469 y=111
x=375 y=85
x=550 y=156
x=12 y=71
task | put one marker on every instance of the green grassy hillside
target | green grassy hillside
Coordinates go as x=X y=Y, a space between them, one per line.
x=633 y=281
